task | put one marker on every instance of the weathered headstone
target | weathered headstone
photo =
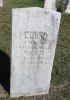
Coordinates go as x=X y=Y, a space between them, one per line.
x=34 y=38
x=1 y=3
x=68 y=8
x=50 y=4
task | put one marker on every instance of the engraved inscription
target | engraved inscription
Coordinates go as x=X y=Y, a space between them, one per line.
x=33 y=47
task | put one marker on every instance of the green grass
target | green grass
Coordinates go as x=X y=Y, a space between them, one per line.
x=60 y=83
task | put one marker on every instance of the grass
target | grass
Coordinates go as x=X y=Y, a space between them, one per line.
x=60 y=83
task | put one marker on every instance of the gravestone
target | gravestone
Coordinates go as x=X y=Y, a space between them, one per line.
x=68 y=8
x=34 y=38
x=1 y=3
x=50 y=4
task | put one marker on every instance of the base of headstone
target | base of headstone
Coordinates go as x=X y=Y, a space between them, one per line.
x=68 y=8
x=50 y=4
x=1 y=3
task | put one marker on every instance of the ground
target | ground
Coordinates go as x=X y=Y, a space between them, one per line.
x=60 y=83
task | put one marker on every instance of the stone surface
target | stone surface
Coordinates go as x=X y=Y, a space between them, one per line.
x=50 y=4
x=34 y=38
x=1 y=3
x=68 y=8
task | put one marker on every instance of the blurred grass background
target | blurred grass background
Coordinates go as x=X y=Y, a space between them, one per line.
x=60 y=83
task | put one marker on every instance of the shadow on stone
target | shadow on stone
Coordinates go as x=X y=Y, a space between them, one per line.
x=5 y=71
